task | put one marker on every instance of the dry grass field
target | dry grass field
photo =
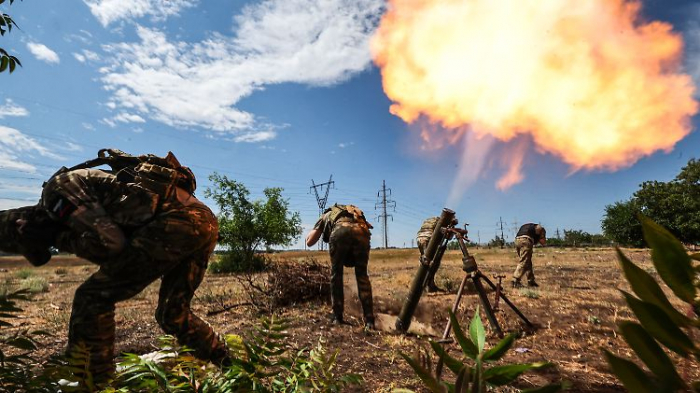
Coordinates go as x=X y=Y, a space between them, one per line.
x=575 y=310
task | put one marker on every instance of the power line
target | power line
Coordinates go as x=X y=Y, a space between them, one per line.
x=384 y=203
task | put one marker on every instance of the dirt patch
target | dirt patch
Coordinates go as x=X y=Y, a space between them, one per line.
x=576 y=309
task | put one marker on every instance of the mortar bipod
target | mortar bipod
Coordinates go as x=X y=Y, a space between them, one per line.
x=472 y=272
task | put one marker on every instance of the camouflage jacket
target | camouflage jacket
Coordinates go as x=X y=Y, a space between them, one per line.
x=427 y=228
x=350 y=213
x=97 y=207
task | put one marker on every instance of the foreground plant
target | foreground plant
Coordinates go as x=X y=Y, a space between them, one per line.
x=475 y=376
x=660 y=323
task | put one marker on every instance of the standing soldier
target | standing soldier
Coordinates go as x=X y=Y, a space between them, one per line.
x=423 y=238
x=346 y=230
x=528 y=235
x=137 y=232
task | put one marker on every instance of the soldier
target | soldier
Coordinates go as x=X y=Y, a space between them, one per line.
x=528 y=235
x=346 y=230
x=423 y=238
x=137 y=233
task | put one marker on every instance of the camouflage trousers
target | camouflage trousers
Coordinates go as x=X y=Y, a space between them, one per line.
x=176 y=247
x=430 y=278
x=523 y=246
x=349 y=246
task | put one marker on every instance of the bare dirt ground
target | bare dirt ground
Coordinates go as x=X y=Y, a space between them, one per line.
x=575 y=309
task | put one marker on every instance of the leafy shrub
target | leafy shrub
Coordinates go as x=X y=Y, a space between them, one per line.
x=660 y=324
x=262 y=363
x=233 y=262
x=35 y=284
x=477 y=377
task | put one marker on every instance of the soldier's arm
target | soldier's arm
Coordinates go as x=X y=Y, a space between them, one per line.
x=316 y=233
x=313 y=236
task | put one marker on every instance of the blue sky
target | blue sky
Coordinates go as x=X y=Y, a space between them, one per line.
x=271 y=93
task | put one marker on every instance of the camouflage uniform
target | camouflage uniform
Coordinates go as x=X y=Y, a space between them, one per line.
x=348 y=236
x=423 y=238
x=173 y=242
x=525 y=240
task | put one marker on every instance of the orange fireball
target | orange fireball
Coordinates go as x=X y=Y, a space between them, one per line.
x=589 y=81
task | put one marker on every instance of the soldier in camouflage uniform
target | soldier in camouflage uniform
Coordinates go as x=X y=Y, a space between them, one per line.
x=137 y=235
x=528 y=235
x=423 y=238
x=346 y=230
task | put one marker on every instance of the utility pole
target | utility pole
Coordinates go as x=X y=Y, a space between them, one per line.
x=478 y=237
x=559 y=238
x=383 y=195
x=503 y=239
x=321 y=201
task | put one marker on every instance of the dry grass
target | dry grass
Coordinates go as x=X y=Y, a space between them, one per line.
x=575 y=309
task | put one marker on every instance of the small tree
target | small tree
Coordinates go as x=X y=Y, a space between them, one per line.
x=245 y=226
x=622 y=225
x=7 y=61
x=576 y=237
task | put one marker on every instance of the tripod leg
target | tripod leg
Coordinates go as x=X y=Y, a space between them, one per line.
x=487 y=306
x=446 y=334
x=505 y=299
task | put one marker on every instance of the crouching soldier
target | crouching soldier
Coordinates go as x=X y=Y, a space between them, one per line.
x=137 y=232
x=347 y=232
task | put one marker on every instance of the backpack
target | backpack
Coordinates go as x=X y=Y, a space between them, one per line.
x=160 y=175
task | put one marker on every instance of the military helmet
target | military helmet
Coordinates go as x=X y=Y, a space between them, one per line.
x=34 y=248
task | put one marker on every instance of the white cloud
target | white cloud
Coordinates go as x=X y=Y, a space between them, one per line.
x=108 y=11
x=86 y=55
x=315 y=42
x=343 y=145
x=88 y=126
x=12 y=109
x=15 y=147
x=256 y=136
x=43 y=53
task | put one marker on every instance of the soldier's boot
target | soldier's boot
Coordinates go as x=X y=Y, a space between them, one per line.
x=337 y=319
x=369 y=325
x=532 y=284
x=517 y=284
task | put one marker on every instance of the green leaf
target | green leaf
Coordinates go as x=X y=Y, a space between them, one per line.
x=660 y=325
x=503 y=375
x=462 y=381
x=424 y=375
x=500 y=349
x=22 y=343
x=468 y=347
x=651 y=354
x=13 y=64
x=670 y=259
x=453 y=364
x=477 y=332
x=631 y=376
x=644 y=285
x=3 y=63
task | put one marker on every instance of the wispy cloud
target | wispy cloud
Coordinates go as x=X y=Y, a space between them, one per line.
x=11 y=109
x=86 y=55
x=43 y=53
x=314 y=42
x=15 y=148
x=343 y=145
x=108 y=11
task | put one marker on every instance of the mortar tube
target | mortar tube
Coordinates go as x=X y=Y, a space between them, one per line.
x=403 y=322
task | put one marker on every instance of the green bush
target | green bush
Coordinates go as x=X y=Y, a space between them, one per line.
x=659 y=324
x=234 y=262
x=475 y=377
